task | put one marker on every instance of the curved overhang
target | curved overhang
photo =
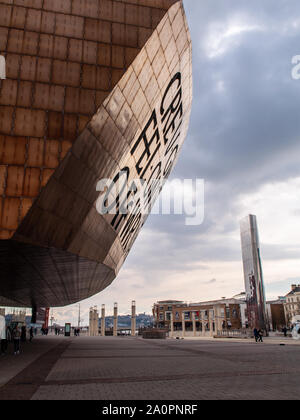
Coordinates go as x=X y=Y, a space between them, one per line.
x=63 y=250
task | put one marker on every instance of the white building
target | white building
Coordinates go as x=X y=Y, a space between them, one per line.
x=292 y=304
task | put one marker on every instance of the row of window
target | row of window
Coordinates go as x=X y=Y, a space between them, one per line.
x=293 y=299
x=204 y=314
x=205 y=326
x=293 y=306
x=187 y=315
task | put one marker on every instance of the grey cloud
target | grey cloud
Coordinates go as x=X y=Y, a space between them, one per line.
x=245 y=136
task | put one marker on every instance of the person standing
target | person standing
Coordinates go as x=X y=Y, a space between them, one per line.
x=256 y=335
x=17 y=338
x=23 y=333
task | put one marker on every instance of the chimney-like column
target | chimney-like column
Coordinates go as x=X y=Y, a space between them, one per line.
x=183 y=323
x=172 y=325
x=133 y=318
x=194 y=323
x=91 y=322
x=96 y=322
x=103 y=321
x=115 y=332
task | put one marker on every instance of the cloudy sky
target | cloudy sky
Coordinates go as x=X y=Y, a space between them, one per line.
x=244 y=142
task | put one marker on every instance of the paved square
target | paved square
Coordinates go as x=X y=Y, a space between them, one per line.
x=135 y=369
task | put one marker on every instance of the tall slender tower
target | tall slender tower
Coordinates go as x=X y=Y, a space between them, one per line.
x=133 y=318
x=115 y=330
x=94 y=319
x=253 y=275
x=103 y=321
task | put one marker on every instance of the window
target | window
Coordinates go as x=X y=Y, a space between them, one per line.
x=161 y=316
x=188 y=326
x=227 y=313
x=187 y=315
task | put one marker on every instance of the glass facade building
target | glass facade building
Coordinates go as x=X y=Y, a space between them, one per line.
x=253 y=275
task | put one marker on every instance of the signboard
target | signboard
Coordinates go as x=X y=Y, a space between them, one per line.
x=2 y=328
x=67 y=330
x=40 y=316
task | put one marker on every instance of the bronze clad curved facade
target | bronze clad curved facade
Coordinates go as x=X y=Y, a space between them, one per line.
x=94 y=89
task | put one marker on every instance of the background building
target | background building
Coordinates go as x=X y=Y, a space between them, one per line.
x=253 y=275
x=292 y=304
x=276 y=314
x=201 y=319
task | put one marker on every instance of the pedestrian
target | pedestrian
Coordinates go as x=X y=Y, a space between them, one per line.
x=256 y=335
x=17 y=337
x=260 y=336
x=31 y=334
x=284 y=330
x=3 y=337
x=23 y=333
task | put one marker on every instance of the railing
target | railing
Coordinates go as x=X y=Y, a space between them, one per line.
x=242 y=333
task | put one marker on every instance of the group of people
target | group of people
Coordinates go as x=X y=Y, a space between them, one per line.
x=44 y=331
x=16 y=335
x=76 y=332
x=258 y=335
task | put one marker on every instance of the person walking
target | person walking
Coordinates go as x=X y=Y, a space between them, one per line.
x=284 y=330
x=31 y=334
x=256 y=335
x=260 y=336
x=17 y=338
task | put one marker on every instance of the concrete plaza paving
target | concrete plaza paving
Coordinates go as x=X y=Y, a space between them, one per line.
x=97 y=368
